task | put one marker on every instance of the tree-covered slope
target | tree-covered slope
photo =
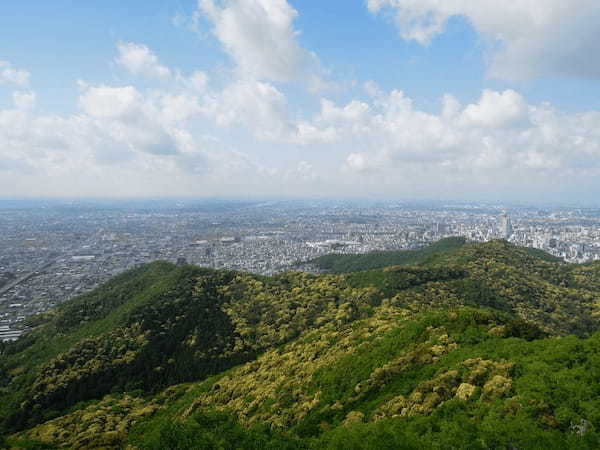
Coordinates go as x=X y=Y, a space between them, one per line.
x=157 y=326
x=558 y=297
x=344 y=263
x=452 y=379
x=481 y=346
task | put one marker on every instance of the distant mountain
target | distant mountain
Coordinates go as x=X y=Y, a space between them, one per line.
x=470 y=346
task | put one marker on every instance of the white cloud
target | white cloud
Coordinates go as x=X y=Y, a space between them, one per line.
x=359 y=162
x=197 y=81
x=306 y=133
x=182 y=137
x=382 y=145
x=179 y=107
x=139 y=60
x=8 y=74
x=137 y=123
x=122 y=142
x=24 y=99
x=500 y=133
x=372 y=89
x=496 y=110
x=262 y=109
x=527 y=38
x=259 y=106
x=260 y=37
x=304 y=172
x=110 y=102
x=353 y=111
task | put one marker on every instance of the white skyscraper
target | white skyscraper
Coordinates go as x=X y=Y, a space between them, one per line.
x=506 y=228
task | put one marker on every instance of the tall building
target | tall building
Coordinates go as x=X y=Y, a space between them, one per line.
x=506 y=229
x=440 y=228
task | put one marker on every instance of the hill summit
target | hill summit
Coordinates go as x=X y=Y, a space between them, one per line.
x=455 y=346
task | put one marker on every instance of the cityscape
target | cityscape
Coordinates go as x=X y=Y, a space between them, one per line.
x=55 y=251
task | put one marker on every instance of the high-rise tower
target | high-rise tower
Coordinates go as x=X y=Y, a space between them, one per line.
x=506 y=228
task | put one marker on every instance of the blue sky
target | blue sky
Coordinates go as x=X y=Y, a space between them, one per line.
x=375 y=98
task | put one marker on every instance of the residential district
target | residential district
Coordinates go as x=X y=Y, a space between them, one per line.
x=51 y=251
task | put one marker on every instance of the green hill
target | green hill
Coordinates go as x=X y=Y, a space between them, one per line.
x=476 y=346
x=448 y=247
x=344 y=263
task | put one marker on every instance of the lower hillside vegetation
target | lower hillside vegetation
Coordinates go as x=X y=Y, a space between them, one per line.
x=472 y=346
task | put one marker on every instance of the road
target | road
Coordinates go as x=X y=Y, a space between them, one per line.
x=27 y=276
x=44 y=266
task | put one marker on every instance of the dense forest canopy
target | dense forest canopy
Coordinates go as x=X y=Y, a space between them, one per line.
x=344 y=263
x=455 y=346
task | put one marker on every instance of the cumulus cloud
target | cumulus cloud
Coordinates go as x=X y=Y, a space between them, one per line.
x=261 y=109
x=139 y=123
x=259 y=106
x=116 y=124
x=140 y=60
x=496 y=110
x=260 y=37
x=24 y=99
x=499 y=132
x=197 y=81
x=137 y=141
x=359 y=162
x=124 y=141
x=353 y=111
x=8 y=74
x=527 y=38
x=178 y=107
x=110 y=102
x=127 y=141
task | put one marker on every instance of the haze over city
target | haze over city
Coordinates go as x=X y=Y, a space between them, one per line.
x=250 y=98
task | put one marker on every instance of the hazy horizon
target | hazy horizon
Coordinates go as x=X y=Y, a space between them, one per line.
x=390 y=201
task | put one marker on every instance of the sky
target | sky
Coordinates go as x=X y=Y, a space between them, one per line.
x=379 y=99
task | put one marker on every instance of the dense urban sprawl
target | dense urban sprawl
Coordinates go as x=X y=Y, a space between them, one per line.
x=52 y=252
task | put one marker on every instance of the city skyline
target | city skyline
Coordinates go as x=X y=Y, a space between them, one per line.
x=51 y=253
x=373 y=99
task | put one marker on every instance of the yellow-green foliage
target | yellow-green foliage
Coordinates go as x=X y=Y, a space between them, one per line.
x=587 y=275
x=437 y=345
x=102 y=425
x=555 y=309
x=491 y=378
x=267 y=314
x=275 y=388
x=433 y=296
x=561 y=299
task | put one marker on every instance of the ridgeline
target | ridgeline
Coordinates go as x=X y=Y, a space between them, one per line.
x=454 y=346
x=344 y=263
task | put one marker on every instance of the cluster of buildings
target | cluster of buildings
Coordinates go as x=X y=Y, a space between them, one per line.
x=570 y=235
x=48 y=255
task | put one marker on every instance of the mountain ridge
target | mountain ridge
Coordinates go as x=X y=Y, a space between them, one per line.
x=162 y=355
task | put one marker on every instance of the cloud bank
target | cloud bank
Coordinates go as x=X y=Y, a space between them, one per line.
x=525 y=38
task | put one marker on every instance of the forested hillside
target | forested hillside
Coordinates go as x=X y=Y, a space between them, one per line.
x=469 y=346
x=344 y=263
